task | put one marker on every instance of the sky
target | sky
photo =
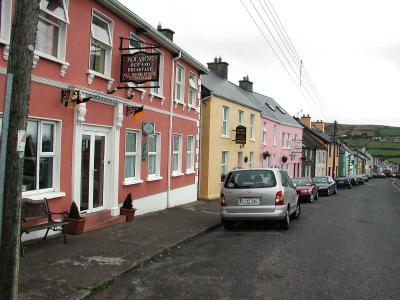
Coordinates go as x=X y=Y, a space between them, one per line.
x=349 y=49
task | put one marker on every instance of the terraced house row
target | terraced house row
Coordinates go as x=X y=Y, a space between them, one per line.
x=167 y=142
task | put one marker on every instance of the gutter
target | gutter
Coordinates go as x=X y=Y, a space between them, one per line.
x=171 y=106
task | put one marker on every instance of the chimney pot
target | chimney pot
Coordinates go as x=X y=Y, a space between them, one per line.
x=168 y=33
x=219 y=67
x=246 y=84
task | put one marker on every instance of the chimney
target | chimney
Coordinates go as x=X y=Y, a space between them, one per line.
x=246 y=84
x=306 y=121
x=168 y=33
x=219 y=67
x=320 y=125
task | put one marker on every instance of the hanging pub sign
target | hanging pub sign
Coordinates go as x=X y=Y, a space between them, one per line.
x=240 y=135
x=140 y=67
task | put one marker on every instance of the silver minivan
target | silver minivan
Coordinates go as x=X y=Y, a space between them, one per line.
x=258 y=194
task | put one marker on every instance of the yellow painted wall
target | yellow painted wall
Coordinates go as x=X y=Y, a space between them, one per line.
x=330 y=160
x=212 y=143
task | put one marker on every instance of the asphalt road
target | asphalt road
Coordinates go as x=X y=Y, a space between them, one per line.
x=343 y=247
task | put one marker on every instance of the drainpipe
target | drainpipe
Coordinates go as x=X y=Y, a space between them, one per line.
x=171 y=106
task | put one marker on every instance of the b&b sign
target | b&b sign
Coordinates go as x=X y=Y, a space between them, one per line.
x=240 y=135
x=140 y=67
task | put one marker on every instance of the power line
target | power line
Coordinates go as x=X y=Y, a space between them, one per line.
x=313 y=102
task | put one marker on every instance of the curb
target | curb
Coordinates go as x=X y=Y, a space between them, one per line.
x=146 y=260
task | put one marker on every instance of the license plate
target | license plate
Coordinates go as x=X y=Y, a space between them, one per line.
x=340 y=181
x=249 y=201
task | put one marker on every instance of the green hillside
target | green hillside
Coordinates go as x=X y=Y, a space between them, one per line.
x=380 y=141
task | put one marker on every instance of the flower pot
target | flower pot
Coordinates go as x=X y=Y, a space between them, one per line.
x=75 y=226
x=129 y=213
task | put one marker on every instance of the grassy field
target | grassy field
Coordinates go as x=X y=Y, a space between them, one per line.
x=389 y=131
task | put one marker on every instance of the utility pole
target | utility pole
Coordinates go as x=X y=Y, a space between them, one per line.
x=334 y=149
x=23 y=36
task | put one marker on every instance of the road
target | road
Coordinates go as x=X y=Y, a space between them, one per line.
x=343 y=247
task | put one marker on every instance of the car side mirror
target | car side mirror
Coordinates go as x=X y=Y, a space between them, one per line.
x=294 y=185
x=223 y=176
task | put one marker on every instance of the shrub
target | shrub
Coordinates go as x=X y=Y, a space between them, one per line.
x=128 y=202
x=74 y=212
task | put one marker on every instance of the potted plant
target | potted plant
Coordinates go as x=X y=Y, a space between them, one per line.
x=266 y=154
x=284 y=159
x=76 y=222
x=127 y=209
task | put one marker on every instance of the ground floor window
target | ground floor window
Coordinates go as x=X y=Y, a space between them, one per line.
x=190 y=154
x=224 y=164
x=154 y=145
x=132 y=166
x=177 y=154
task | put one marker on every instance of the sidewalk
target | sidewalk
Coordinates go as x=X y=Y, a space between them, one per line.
x=51 y=269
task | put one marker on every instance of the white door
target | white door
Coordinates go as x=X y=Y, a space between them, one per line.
x=93 y=170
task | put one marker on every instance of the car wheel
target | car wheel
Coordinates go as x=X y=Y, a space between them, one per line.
x=312 y=198
x=350 y=186
x=329 y=192
x=297 y=212
x=335 y=191
x=228 y=225
x=286 y=221
x=316 y=196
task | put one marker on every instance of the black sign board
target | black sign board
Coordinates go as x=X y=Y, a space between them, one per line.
x=240 y=135
x=140 y=67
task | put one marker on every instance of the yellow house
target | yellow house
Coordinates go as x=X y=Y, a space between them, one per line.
x=224 y=107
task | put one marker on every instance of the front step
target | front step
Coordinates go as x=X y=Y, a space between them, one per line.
x=101 y=219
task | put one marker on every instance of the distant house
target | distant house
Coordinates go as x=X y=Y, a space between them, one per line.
x=346 y=161
x=314 y=156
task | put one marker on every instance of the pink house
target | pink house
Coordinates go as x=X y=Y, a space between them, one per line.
x=281 y=137
x=94 y=153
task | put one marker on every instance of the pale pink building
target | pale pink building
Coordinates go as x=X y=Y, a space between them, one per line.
x=281 y=137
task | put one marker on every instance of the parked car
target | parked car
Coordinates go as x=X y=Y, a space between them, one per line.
x=306 y=188
x=325 y=185
x=360 y=179
x=365 y=177
x=258 y=194
x=343 y=182
x=353 y=180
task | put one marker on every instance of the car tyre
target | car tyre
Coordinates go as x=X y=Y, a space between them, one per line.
x=297 y=213
x=228 y=225
x=316 y=196
x=286 y=221
x=335 y=191
x=329 y=192
x=312 y=198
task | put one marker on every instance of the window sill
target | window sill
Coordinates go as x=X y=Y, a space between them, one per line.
x=177 y=174
x=157 y=96
x=225 y=137
x=97 y=74
x=153 y=178
x=51 y=58
x=50 y=195
x=180 y=102
x=190 y=172
x=252 y=140
x=132 y=181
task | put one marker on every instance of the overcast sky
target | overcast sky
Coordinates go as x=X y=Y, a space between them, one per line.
x=350 y=49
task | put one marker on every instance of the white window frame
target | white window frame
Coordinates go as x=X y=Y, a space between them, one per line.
x=180 y=84
x=108 y=47
x=157 y=154
x=283 y=140
x=251 y=159
x=265 y=133
x=275 y=134
x=224 y=163
x=178 y=170
x=240 y=117
x=5 y=29
x=190 y=154
x=192 y=90
x=288 y=141
x=225 y=120
x=54 y=191
x=62 y=35
x=137 y=154
x=159 y=92
x=252 y=127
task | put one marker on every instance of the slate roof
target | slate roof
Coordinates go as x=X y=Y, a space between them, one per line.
x=310 y=142
x=225 y=89
x=326 y=138
x=344 y=148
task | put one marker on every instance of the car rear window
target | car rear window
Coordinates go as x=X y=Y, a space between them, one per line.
x=301 y=181
x=250 y=179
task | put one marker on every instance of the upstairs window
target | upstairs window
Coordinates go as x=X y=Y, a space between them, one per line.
x=275 y=134
x=51 y=30
x=252 y=127
x=241 y=117
x=101 y=45
x=179 y=80
x=5 y=21
x=265 y=133
x=283 y=139
x=225 y=121
x=160 y=83
x=192 y=90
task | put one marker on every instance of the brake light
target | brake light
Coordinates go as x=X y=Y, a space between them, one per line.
x=279 y=198
x=222 y=200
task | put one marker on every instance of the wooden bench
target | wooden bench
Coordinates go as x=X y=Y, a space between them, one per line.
x=35 y=215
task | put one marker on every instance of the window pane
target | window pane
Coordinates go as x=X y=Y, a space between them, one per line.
x=101 y=31
x=152 y=164
x=189 y=161
x=47 y=36
x=46 y=173
x=175 y=162
x=153 y=143
x=97 y=57
x=176 y=142
x=47 y=137
x=55 y=7
x=130 y=165
x=130 y=142
x=30 y=159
